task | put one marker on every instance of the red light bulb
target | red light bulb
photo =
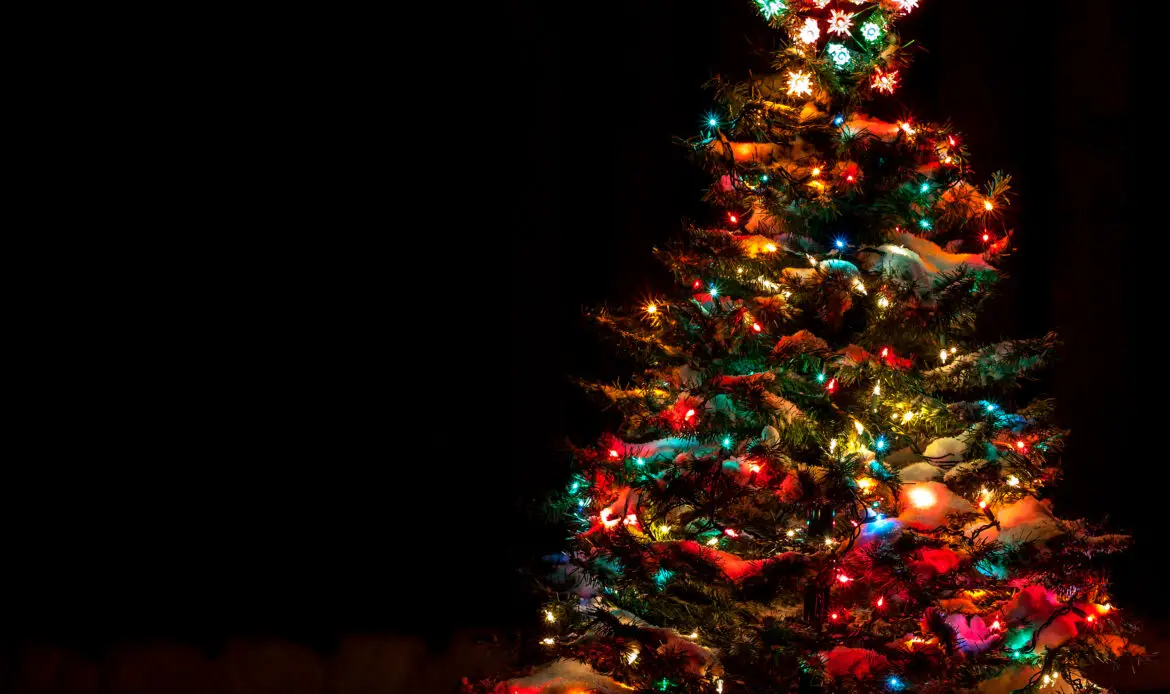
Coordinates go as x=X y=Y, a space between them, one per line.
x=689 y=414
x=986 y=238
x=756 y=327
x=733 y=218
x=697 y=284
x=881 y=601
x=885 y=352
x=833 y=616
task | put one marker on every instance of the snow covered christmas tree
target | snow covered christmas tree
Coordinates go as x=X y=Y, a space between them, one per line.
x=822 y=481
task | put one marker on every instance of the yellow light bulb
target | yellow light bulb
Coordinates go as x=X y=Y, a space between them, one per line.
x=921 y=497
x=663 y=529
x=988 y=206
x=632 y=656
x=829 y=541
x=857 y=425
x=693 y=635
x=833 y=445
x=548 y=641
x=549 y=616
x=877 y=389
x=651 y=309
x=1013 y=481
x=908 y=416
x=943 y=355
x=816 y=171
x=791 y=533
x=883 y=302
x=713 y=541
x=771 y=248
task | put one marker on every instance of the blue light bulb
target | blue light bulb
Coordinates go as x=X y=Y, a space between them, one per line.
x=712 y=120
x=714 y=290
x=880 y=444
x=840 y=243
x=820 y=378
x=894 y=683
x=727 y=442
x=924 y=223
x=838 y=120
x=925 y=187
x=639 y=461
x=764 y=178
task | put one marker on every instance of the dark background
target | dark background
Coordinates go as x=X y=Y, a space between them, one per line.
x=353 y=455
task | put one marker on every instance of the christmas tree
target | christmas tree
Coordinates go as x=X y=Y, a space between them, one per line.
x=823 y=481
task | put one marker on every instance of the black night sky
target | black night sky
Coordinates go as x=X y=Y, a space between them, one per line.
x=354 y=456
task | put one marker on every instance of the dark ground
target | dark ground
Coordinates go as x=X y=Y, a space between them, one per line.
x=311 y=485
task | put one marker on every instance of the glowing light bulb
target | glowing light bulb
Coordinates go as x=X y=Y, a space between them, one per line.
x=712 y=121
x=693 y=635
x=877 y=389
x=895 y=683
x=833 y=616
x=885 y=82
x=549 y=616
x=1020 y=445
x=697 y=284
x=730 y=532
x=943 y=355
x=714 y=291
x=921 y=497
x=820 y=378
x=771 y=248
x=816 y=171
x=718 y=686
x=839 y=22
x=713 y=541
x=880 y=444
x=791 y=533
x=651 y=309
x=727 y=442
x=632 y=656
x=924 y=223
x=987 y=205
x=764 y=178
x=832 y=385
x=908 y=416
x=613 y=453
x=664 y=529
x=839 y=54
x=754 y=467
x=799 y=84
x=639 y=462
x=548 y=642
x=832 y=445
x=885 y=350
x=871 y=31
x=907 y=5
x=756 y=327
x=810 y=31
x=843 y=578
x=906 y=128
x=850 y=178
x=881 y=601
x=924 y=188
x=982 y=504
x=1090 y=619
x=858 y=426
x=733 y=219
x=838 y=120
x=859 y=286
x=1013 y=481
x=986 y=238
x=689 y=414
x=995 y=625
x=829 y=541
